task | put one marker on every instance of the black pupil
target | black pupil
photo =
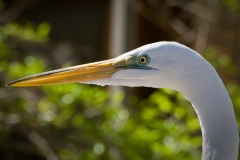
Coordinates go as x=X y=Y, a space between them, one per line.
x=142 y=60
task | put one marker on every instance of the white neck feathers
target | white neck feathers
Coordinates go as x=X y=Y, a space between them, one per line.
x=215 y=112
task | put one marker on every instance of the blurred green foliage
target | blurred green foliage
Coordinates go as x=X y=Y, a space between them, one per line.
x=27 y=32
x=232 y=5
x=76 y=121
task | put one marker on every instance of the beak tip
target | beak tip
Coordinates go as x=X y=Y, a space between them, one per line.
x=9 y=84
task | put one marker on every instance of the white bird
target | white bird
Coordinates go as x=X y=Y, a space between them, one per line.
x=164 y=65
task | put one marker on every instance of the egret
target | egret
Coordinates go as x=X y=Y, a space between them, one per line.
x=164 y=65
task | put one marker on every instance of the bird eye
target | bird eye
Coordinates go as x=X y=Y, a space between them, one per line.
x=143 y=60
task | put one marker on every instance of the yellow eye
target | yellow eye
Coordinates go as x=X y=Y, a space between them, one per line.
x=143 y=60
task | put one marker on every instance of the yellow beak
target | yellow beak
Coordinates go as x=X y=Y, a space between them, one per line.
x=81 y=73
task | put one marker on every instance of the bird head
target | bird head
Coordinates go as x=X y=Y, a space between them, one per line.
x=157 y=65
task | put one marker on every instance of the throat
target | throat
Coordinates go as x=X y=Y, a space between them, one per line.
x=218 y=124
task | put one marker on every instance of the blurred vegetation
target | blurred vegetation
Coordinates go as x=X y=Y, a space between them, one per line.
x=232 y=5
x=76 y=121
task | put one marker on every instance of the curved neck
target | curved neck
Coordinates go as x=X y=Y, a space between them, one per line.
x=218 y=124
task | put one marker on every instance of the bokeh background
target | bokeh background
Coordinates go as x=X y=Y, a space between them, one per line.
x=87 y=122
